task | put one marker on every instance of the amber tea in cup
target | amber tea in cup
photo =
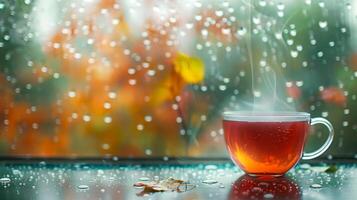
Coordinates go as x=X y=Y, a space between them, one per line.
x=270 y=143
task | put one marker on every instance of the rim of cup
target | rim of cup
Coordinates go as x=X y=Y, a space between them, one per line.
x=265 y=116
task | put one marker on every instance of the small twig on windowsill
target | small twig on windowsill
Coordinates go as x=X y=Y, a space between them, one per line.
x=182 y=123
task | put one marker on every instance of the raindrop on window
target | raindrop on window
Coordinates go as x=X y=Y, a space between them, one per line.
x=346 y=111
x=348 y=5
x=294 y=54
x=140 y=127
x=242 y=31
x=299 y=48
x=323 y=24
x=262 y=3
x=204 y=32
x=35 y=125
x=72 y=94
x=322 y=4
x=107 y=105
x=331 y=44
x=148 y=118
x=312 y=42
x=290 y=42
x=148 y=152
x=257 y=93
x=112 y=95
x=222 y=87
x=56 y=75
x=86 y=118
x=74 y=115
x=345 y=123
x=280 y=14
x=178 y=120
x=219 y=13
x=107 y=119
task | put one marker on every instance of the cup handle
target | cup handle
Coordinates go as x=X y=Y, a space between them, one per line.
x=325 y=146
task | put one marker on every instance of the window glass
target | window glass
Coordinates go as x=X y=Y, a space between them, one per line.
x=152 y=78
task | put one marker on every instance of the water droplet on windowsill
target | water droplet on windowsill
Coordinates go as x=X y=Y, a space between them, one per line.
x=144 y=179
x=268 y=196
x=316 y=186
x=210 y=181
x=211 y=167
x=5 y=180
x=305 y=166
x=83 y=187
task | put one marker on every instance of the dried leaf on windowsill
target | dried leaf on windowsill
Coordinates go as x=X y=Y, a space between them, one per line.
x=331 y=169
x=169 y=184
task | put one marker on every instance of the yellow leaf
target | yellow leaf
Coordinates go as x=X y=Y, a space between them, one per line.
x=160 y=95
x=191 y=69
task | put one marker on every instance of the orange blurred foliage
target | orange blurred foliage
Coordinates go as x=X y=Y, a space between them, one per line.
x=116 y=99
x=333 y=95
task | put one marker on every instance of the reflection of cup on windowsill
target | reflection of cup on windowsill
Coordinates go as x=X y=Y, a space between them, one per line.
x=248 y=187
x=270 y=143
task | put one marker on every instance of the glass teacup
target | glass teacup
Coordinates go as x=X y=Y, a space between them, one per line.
x=270 y=143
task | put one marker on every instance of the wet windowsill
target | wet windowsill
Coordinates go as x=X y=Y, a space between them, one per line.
x=113 y=178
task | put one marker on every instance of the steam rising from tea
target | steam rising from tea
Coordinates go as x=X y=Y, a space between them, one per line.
x=268 y=85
